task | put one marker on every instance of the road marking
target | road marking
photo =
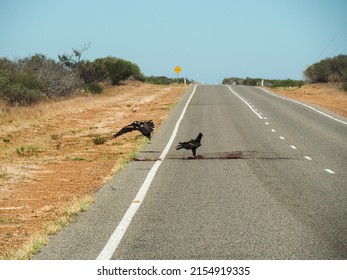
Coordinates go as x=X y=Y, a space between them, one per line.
x=303 y=104
x=266 y=123
x=281 y=137
x=293 y=147
x=255 y=112
x=273 y=130
x=329 y=171
x=117 y=235
x=308 y=158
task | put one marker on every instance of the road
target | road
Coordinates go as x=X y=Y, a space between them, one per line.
x=271 y=183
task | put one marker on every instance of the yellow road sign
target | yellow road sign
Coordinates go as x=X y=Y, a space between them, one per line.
x=177 y=69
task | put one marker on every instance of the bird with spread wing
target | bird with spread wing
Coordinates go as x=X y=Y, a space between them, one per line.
x=145 y=127
x=193 y=144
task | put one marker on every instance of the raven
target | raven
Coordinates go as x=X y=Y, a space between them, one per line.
x=193 y=144
x=146 y=128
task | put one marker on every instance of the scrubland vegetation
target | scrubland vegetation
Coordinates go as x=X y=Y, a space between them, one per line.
x=27 y=81
x=327 y=70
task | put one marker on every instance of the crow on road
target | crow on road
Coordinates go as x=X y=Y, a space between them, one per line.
x=146 y=128
x=193 y=144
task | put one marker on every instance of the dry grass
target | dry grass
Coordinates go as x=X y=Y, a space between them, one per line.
x=329 y=96
x=38 y=239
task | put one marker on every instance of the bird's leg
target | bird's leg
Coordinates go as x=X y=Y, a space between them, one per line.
x=194 y=152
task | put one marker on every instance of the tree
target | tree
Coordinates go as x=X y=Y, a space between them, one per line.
x=327 y=70
x=71 y=61
x=119 y=69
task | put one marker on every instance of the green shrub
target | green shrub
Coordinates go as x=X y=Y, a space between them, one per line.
x=327 y=70
x=344 y=81
x=95 y=88
x=18 y=95
x=99 y=140
x=78 y=158
x=56 y=136
x=27 y=151
x=119 y=69
x=26 y=81
x=92 y=72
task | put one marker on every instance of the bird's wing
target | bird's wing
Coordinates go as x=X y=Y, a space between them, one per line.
x=191 y=145
x=131 y=127
x=149 y=125
x=186 y=145
x=146 y=127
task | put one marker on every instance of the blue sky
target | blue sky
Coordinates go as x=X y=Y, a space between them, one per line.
x=209 y=40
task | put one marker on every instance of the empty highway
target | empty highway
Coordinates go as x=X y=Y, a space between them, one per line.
x=270 y=182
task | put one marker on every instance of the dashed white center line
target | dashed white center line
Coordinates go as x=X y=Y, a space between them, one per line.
x=252 y=107
x=293 y=147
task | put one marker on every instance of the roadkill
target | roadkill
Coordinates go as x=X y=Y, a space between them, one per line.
x=234 y=155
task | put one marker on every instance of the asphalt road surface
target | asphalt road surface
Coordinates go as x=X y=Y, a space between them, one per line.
x=270 y=182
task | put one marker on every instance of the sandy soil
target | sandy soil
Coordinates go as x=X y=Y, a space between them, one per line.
x=59 y=161
x=329 y=96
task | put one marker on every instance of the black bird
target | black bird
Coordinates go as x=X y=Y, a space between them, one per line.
x=146 y=128
x=193 y=144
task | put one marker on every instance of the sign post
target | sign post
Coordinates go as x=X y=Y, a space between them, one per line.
x=177 y=69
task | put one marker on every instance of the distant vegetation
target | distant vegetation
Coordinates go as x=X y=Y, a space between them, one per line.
x=258 y=82
x=162 y=80
x=27 y=81
x=327 y=70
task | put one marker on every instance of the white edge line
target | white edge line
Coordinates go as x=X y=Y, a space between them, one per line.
x=303 y=104
x=260 y=117
x=117 y=235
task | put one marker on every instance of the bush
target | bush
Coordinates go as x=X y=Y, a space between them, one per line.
x=20 y=87
x=59 y=81
x=91 y=72
x=27 y=151
x=99 y=140
x=95 y=88
x=28 y=80
x=327 y=70
x=19 y=95
x=162 y=80
x=344 y=81
x=119 y=69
